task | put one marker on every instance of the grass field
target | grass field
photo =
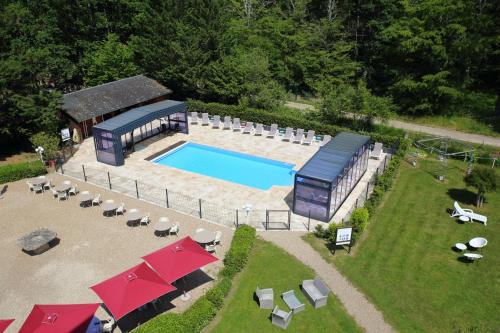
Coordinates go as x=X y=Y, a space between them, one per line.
x=271 y=267
x=405 y=262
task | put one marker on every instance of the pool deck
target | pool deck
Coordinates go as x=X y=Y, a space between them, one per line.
x=227 y=195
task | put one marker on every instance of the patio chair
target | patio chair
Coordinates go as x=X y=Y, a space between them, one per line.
x=30 y=186
x=55 y=194
x=218 y=236
x=120 y=209
x=145 y=220
x=200 y=230
x=227 y=123
x=265 y=297
x=236 y=124
x=288 y=134
x=48 y=185
x=72 y=190
x=216 y=122
x=377 y=151
x=281 y=318
x=204 y=119
x=194 y=118
x=259 y=128
x=62 y=195
x=248 y=128
x=273 y=131
x=108 y=325
x=174 y=229
x=309 y=138
x=37 y=188
x=326 y=139
x=96 y=200
x=211 y=248
x=293 y=302
x=298 y=136
x=459 y=211
x=316 y=292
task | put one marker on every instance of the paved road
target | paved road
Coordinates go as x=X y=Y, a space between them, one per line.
x=437 y=131
x=356 y=304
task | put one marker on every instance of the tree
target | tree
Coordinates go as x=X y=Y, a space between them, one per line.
x=49 y=143
x=111 y=60
x=483 y=179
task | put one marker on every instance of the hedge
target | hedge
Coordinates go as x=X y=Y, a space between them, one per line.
x=283 y=120
x=194 y=319
x=12 y=172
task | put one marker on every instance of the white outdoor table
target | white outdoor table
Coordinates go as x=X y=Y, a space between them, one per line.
x=134 y=216
x=38 y=181
x=63 y=187
x=478 y=242
x=109 y=206
x=162 y=225
x=85 y=197
x=204 y=237
x=461 y=246
x=464 y=218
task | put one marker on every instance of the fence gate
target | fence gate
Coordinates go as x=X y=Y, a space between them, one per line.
x=278 y=219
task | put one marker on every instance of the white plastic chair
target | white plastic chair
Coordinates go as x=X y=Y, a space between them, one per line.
x=227 y=122
x=211 y=248
x=144 y=219
x=30 y=186
x=459 y=211
x=309 y=138
x=204 y=119
x=37 y=188
x=194 y=118
x=218 y=236
x=298 y=136
x=174 y=229
x=62 y=195
x=107 y=327
x=216 y=122
x=47 y=185
x=288 y=134
x=326 y=139
x=72 y=190
x=120 y=209
x=259 y=129
x=96 y=200
x=236 y=124
x=377 y=151
x=272 y=131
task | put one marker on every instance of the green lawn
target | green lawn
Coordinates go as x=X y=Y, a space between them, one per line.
x=271 y=267
x=405 y=262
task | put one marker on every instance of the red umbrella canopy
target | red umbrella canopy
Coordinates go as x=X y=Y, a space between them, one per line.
x=4 y=323
x=125 y=292
x=179 y=259
x=61 y=318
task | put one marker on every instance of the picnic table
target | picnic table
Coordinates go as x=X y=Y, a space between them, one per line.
x=204 y=237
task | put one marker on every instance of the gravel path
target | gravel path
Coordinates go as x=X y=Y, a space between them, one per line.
x=356 y=304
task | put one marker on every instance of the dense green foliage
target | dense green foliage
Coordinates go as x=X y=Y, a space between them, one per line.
x=194 y=319
x=13 y=172
x=483 y=179
x=418 y=57
x=359 y=218
x=49 y=142
x=407 y=265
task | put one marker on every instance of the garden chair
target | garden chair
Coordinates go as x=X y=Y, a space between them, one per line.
x=236 y=124
x=281 y=318
x=62 y=195
x=326 y=139
x=211 y=248
x=120 y=209
x=227 y=123
x=288 y=134
x=259 y=129
x=96 y=200
x=273 y=131
x=194 y=118
x=309 y=138
x=248 y=128
x=37 y=188
x=48 y=185
x=265 y=297
x=459 y=211
x=204 y=119
x=174 y=229
x=145 y=220
x=298 y=136
x=30 y=186
x=293 y=302
x=72 y=190
x=216 y=122
x=377 y=151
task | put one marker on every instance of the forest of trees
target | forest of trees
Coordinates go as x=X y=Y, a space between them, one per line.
x=418 y=57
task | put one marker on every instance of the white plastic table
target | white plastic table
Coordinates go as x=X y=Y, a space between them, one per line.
x=204 y=237
x=134 y=216
x=38 y=181
x=464 y=218
x=461 y=246
x=109 y=206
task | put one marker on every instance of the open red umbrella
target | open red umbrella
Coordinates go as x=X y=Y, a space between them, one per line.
x=178 y=259
x=61 y=318
x=131 y=289
x=4 y=323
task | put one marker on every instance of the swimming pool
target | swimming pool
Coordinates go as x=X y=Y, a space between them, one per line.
x=258 y=172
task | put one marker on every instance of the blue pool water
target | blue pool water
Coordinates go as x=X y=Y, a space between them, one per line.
x=261 y=173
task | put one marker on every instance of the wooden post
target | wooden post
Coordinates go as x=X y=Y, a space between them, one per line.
x=84 y=174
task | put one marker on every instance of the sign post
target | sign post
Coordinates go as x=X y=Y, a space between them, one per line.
x=344 y=237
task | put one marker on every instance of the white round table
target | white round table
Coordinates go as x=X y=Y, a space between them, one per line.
x=63 y=187
x=85 y=198
x=461 y=246
x=472 y=256
x=109 y=206
x=162 y=226
x=204 y=237
x=464 y=218
x=478 y=242
x=134 y=216
x=38 y=181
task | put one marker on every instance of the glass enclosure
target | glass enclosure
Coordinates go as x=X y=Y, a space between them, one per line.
x=105 y=151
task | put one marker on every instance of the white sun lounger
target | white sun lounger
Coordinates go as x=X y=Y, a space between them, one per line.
x=288 y=134
x=204 y=119
x=309 y=138
x=194 y=118
x=227 y=122
x=236 y=124
x=298 y=136
x=259 y=128
x=377 y=151
x=326 y=139
x=248 y=128
x=216 y=122
x=272 y=131
x=459 y=211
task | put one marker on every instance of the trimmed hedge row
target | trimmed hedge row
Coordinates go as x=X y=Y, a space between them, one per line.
x=283 y=120
x=12 y=172
x=205 y=308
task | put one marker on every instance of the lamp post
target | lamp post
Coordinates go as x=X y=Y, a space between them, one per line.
x=40 y=151
x=247 y=207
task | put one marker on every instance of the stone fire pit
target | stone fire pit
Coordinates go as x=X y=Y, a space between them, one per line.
x=38 y=241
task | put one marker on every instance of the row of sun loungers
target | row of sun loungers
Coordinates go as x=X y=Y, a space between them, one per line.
x=258 y=130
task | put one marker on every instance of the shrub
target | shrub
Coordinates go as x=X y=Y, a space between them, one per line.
x=13 y=172
x=216 y=296
x=237 y=255
x=359 y=219
x=319 y=231
x=49 y=142
x=283 y=120
x=199 y=314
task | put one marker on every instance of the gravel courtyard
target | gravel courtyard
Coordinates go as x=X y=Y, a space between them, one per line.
x=92 y=248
